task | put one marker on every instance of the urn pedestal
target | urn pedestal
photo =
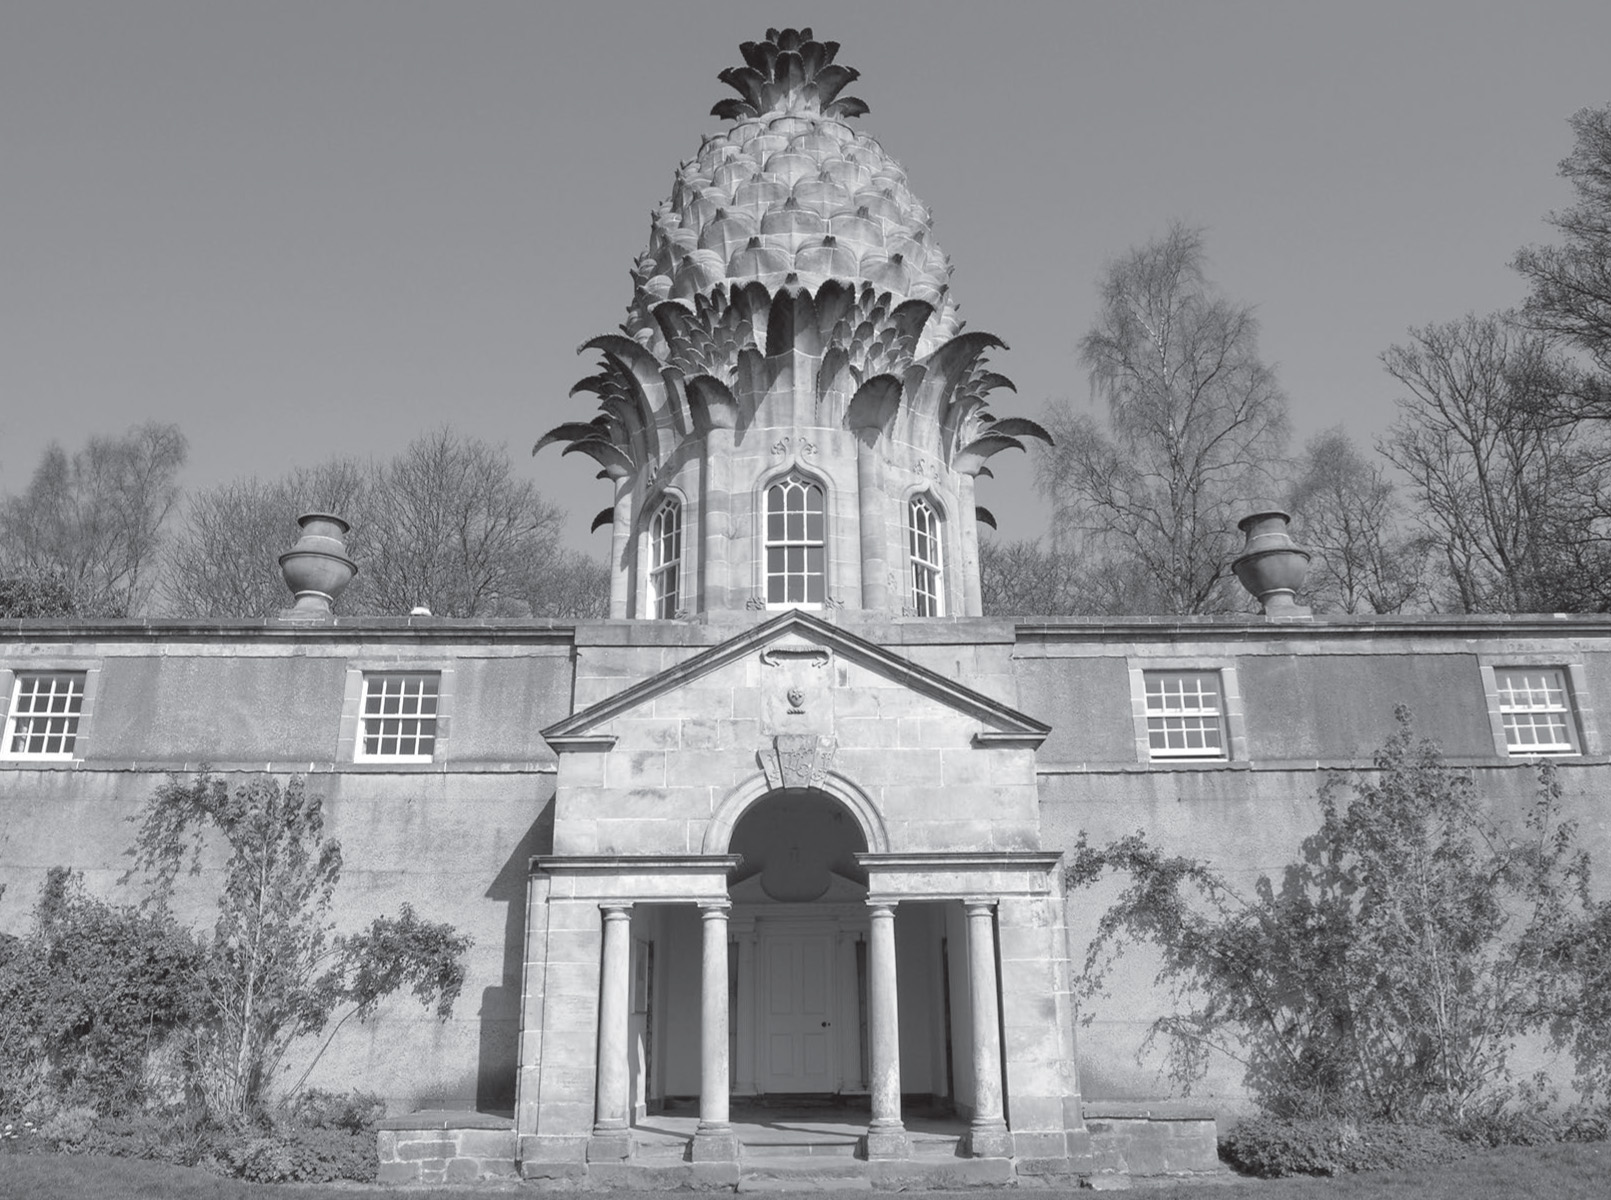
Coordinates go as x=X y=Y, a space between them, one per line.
x=317 y=569
x=1272 y=566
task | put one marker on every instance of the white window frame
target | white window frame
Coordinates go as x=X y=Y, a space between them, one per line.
x=403 y=677
x=664 y=603
x=925 y=564
x=13 y=682
x=1582 y=735
x=1232 y=724
x=805 y=543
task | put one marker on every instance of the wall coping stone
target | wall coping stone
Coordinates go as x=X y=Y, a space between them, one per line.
x=1146 y=1110
x=446 y=1118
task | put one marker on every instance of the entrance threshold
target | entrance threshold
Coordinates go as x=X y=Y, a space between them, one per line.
x=818 y=1129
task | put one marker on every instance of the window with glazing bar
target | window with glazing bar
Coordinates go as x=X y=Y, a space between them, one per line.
x=1535 y=708
x=796 y=550
x=1185 y=714
x=42 y=719
x=398 y=718
x=923 y=549
x=665 y=560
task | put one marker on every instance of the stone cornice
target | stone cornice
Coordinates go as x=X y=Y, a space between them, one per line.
x=342 y=629
x=1259 y=628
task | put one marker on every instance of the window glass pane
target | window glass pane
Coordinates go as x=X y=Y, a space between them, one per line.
x=1535 y=710
x=1184 y=716
x=42 y=721
x=399 y=714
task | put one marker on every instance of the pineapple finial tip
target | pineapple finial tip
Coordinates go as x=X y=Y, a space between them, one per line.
x=789 y=72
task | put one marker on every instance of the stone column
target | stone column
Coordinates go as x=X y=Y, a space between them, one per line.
x=612 y=1131
x=714 y=1140
x=744 y=1068
x=886 y=1136
x=987 y=1134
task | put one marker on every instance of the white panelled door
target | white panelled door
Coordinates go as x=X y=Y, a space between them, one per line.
x=798 y=1039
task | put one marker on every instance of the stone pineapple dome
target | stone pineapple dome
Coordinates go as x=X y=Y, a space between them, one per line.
x=791 y=318
x=791 y=190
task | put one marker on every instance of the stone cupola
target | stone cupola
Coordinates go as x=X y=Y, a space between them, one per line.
x=792 y=415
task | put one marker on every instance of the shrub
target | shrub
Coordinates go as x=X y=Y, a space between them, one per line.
x=1273 y=1147
x=1389 y=972
x=273 y=970
x=68 y=1128
x=1507 y=1127
x=356 y=1111
x=85 y=997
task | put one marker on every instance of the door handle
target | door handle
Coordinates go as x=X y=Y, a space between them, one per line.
x=825 y=1024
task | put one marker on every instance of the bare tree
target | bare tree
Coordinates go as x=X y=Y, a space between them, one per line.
x=225 y=560
x=573 y=587
x=1571 y=283
x=1346 y=512
x=1021 y=578
x=445 y=524
x=1196 y=424
x=448 y=526
x=92 y=522
x=1505 y=490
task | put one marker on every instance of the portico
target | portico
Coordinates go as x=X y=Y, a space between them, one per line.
x=807 y=922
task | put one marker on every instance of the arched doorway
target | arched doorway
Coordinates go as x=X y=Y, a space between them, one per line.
x=799 y=923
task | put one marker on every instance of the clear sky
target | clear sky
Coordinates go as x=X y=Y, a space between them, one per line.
x=321 y=226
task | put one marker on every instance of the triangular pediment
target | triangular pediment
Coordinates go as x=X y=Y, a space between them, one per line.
x=799 y=634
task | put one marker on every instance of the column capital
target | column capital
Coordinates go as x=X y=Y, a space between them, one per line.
x=709 y=909
x=883 y=906
x=614 y=911
x=976 y=904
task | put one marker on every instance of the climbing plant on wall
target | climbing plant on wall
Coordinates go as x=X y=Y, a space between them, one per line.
x=1389 y=971
x=274 y=971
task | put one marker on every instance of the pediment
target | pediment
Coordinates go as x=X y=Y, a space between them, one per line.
x=797 y=643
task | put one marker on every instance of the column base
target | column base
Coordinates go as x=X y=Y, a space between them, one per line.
x=989 y=1141
x=717 y=1143
x=888 y=1141
x=609 y=1145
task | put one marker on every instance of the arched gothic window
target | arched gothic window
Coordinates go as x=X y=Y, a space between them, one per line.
x=665 y=559
x=923 y=543
x=796 y=550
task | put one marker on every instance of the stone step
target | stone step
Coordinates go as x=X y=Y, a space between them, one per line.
x=782 y=1168
x=821 y=1147
x=814 y=1184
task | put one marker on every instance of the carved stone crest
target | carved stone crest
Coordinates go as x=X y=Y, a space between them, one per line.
x=797 y=760
x=795 y=690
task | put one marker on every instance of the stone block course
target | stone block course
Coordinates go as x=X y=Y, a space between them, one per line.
x=445 y=1147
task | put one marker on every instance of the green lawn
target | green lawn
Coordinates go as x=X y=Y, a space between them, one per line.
x=1568 y=1172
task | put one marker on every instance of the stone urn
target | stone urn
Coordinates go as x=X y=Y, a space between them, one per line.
x=1272 y=566
x=317 y=569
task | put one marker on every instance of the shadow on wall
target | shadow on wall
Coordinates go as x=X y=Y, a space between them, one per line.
x=500 y=1005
